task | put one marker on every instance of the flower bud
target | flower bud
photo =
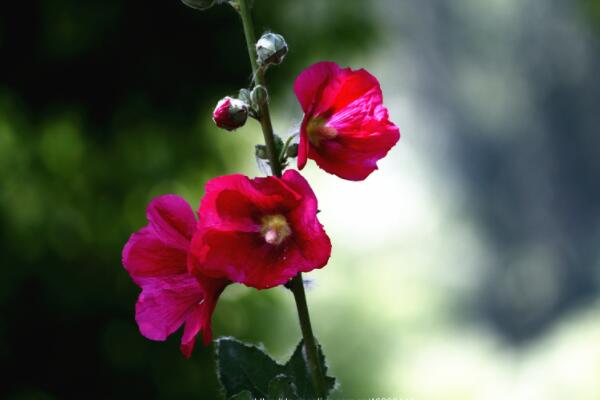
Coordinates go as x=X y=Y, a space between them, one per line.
x=278 y=144
x=260 y=151
x=271 y=48
x=199 y=4
x=292 y=150
x=259 y=96
x=245 y=96
x=230 y=113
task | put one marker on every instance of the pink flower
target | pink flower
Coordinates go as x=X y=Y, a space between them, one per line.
x=345 y=129
x=259 y=232
x=230 y=113
x=156 y=257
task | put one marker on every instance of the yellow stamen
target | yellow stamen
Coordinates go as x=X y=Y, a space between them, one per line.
x=317 y=130
x=275 y=229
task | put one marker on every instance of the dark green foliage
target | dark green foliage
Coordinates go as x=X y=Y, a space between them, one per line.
x=282 y=388
x=298 y=368
x=244 y=367
x=244 y=395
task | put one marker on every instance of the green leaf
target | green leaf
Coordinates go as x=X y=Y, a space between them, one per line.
x=282 y=388
x=246 y=370
x=298 y=368
x=244 y=367
x=278 y=144
x=245 y=395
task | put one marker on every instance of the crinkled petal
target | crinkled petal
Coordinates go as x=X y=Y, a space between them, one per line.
x=173 y=220
x=193 y=324
x=165 y=303
x=199 y=319
x=345 y=158
x=234 y=201
x=353 y=155
x=237 y=256
x=146 y=255
x=160 y=249
x=325 y=88
x=309 y=85
x=359 y=114
x=313 y=244
x=353 y=85
x=303 y=145
x=246 y=258
x=308 y=205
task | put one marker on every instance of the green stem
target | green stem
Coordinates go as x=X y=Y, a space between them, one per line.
x=297 y=287
x=259 y=76
x=296 y=284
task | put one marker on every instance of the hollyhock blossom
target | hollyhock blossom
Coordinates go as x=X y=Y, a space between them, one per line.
x=345 y=129
x=259 y=232
x=230 y=113
x=156 y=257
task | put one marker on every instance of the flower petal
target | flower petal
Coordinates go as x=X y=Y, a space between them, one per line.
x=246 y=258
x=145 y=255
x=346 y=159
x=364 y=137
x=303 y=145
x=310 y=83
x=313 y=243
x=228 y=254
x=165 y=303
x=199 y=319
x=353 y=85
x=234 y=201
x=173 y=220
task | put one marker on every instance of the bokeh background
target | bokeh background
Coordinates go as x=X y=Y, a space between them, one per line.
x=468 y=267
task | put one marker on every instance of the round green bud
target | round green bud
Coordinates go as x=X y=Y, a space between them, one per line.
x=259 y=95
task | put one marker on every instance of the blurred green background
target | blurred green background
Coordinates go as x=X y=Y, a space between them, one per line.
x=468 y=267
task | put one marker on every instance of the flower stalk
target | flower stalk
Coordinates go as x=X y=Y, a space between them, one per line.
x=259 y=77
x=296 y=285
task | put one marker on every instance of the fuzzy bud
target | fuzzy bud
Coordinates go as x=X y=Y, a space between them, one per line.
x=260 y=151
x=230 y=113
x=245 y=96
x=271 y=48
x=259 y=96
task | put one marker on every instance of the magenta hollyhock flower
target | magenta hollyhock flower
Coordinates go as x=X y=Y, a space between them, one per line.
x=230 y=113
x=345 y=129
x=156 y=257
x=259 y=232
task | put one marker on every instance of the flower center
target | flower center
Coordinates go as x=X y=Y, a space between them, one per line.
x=317 y=130
x=275 y=229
